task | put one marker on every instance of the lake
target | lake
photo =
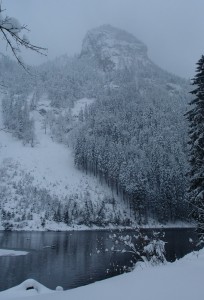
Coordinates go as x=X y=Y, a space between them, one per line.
x=72 y=259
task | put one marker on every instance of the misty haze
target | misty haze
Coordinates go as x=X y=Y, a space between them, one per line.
x=101 y=149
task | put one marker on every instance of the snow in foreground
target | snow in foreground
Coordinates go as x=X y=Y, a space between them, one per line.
x=181 y=280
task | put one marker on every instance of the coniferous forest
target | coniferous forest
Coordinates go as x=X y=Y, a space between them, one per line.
x=131 y=134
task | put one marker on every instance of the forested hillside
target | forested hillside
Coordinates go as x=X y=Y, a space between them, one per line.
x=134 y=136
x=117 y=115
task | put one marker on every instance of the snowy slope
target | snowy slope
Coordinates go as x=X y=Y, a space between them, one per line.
x=50 y=163
x=48 y=166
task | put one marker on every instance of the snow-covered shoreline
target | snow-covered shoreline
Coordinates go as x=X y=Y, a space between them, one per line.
x=63 y=228
x=182 y=279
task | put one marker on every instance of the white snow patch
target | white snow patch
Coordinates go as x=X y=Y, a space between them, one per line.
x=81 y=104
x=6 y=252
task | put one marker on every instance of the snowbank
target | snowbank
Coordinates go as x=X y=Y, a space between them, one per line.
x=27 y=288
x=181 y=280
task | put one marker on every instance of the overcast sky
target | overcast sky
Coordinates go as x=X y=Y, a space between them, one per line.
x=173 y=30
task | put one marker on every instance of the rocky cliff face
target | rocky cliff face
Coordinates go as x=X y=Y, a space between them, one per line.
x=114 y=49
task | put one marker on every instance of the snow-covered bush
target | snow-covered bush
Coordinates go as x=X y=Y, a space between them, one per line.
x=155 y=249
x=147 y=248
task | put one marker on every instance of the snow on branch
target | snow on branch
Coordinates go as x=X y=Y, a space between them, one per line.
x=149 y=249
x=11 y=30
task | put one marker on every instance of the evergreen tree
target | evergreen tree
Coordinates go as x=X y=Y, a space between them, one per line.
x=195 y=117
x=16 y=118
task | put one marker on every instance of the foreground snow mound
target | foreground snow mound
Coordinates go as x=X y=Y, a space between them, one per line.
x=29 y=287
x=181 y=280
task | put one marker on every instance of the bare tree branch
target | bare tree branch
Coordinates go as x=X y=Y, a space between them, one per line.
x=10 y=29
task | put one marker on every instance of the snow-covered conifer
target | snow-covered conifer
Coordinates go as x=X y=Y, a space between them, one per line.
x=196 y=141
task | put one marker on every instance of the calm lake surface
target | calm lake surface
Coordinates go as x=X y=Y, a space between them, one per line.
x=77 y=258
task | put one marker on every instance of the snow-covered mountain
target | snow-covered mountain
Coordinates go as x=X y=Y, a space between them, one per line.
x=118 y=53
x=112 y=113
x=114 y=49
x=136 y=134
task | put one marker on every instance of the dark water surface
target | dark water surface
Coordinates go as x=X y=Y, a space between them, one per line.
x=76 y=258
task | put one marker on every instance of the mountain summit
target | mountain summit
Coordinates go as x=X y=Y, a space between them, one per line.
x=113 y=48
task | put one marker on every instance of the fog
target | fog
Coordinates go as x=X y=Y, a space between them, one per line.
x=171 y=29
